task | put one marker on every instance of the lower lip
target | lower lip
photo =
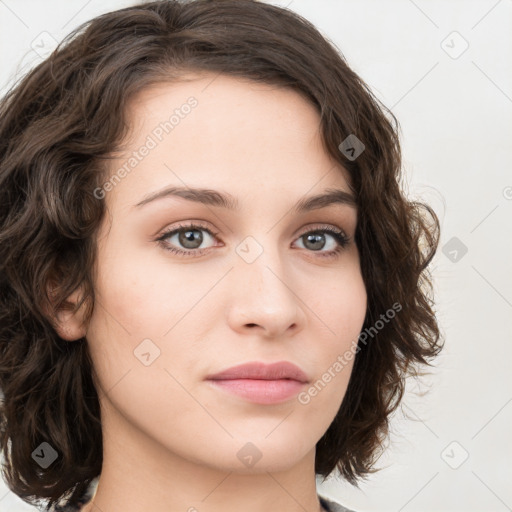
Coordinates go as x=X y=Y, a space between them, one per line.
x=261 y=391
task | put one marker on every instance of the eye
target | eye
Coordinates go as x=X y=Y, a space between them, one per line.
x=190 y=237
x=316 y=241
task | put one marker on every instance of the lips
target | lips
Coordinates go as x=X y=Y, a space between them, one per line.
x=262 y=371
x=261 y=383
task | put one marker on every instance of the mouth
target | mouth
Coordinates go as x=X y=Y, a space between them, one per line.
x=261 y=391
x=261 y=383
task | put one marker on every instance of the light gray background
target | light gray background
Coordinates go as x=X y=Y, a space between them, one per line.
x=455 y=111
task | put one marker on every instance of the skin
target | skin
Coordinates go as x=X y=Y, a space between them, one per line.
x=170 y=439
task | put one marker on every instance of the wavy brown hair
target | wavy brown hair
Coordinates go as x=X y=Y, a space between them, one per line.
x=59 y=125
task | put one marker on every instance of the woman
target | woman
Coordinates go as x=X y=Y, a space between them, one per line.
x=213 y=288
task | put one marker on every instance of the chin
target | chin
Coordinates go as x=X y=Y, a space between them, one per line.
x=246 y=456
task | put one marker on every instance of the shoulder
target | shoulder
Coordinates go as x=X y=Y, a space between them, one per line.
x=332 y=506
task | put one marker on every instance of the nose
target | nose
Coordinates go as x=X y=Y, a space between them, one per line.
x=264 y=299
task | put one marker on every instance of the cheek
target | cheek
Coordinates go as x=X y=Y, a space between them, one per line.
x=340 y=306
x=140 y=298
x=339 y=309
x=342 y=309
x=139 y=292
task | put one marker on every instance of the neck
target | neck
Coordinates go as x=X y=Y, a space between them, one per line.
x=140 y=474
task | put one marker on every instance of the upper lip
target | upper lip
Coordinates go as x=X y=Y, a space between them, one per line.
x=262 y=371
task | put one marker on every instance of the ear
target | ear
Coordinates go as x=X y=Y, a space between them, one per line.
x=67 y=321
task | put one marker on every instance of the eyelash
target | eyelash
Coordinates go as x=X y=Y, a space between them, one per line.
x=342 y=239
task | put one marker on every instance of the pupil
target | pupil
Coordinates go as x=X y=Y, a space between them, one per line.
x=315 y=239
x=191 y=239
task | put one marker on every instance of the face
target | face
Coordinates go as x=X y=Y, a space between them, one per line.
x=188 y=287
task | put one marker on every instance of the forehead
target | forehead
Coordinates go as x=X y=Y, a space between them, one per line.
x=225 y=132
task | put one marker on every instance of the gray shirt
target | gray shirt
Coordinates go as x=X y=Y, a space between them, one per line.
x=332 y=506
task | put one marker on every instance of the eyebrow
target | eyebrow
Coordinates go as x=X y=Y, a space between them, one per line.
x=224 y=200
